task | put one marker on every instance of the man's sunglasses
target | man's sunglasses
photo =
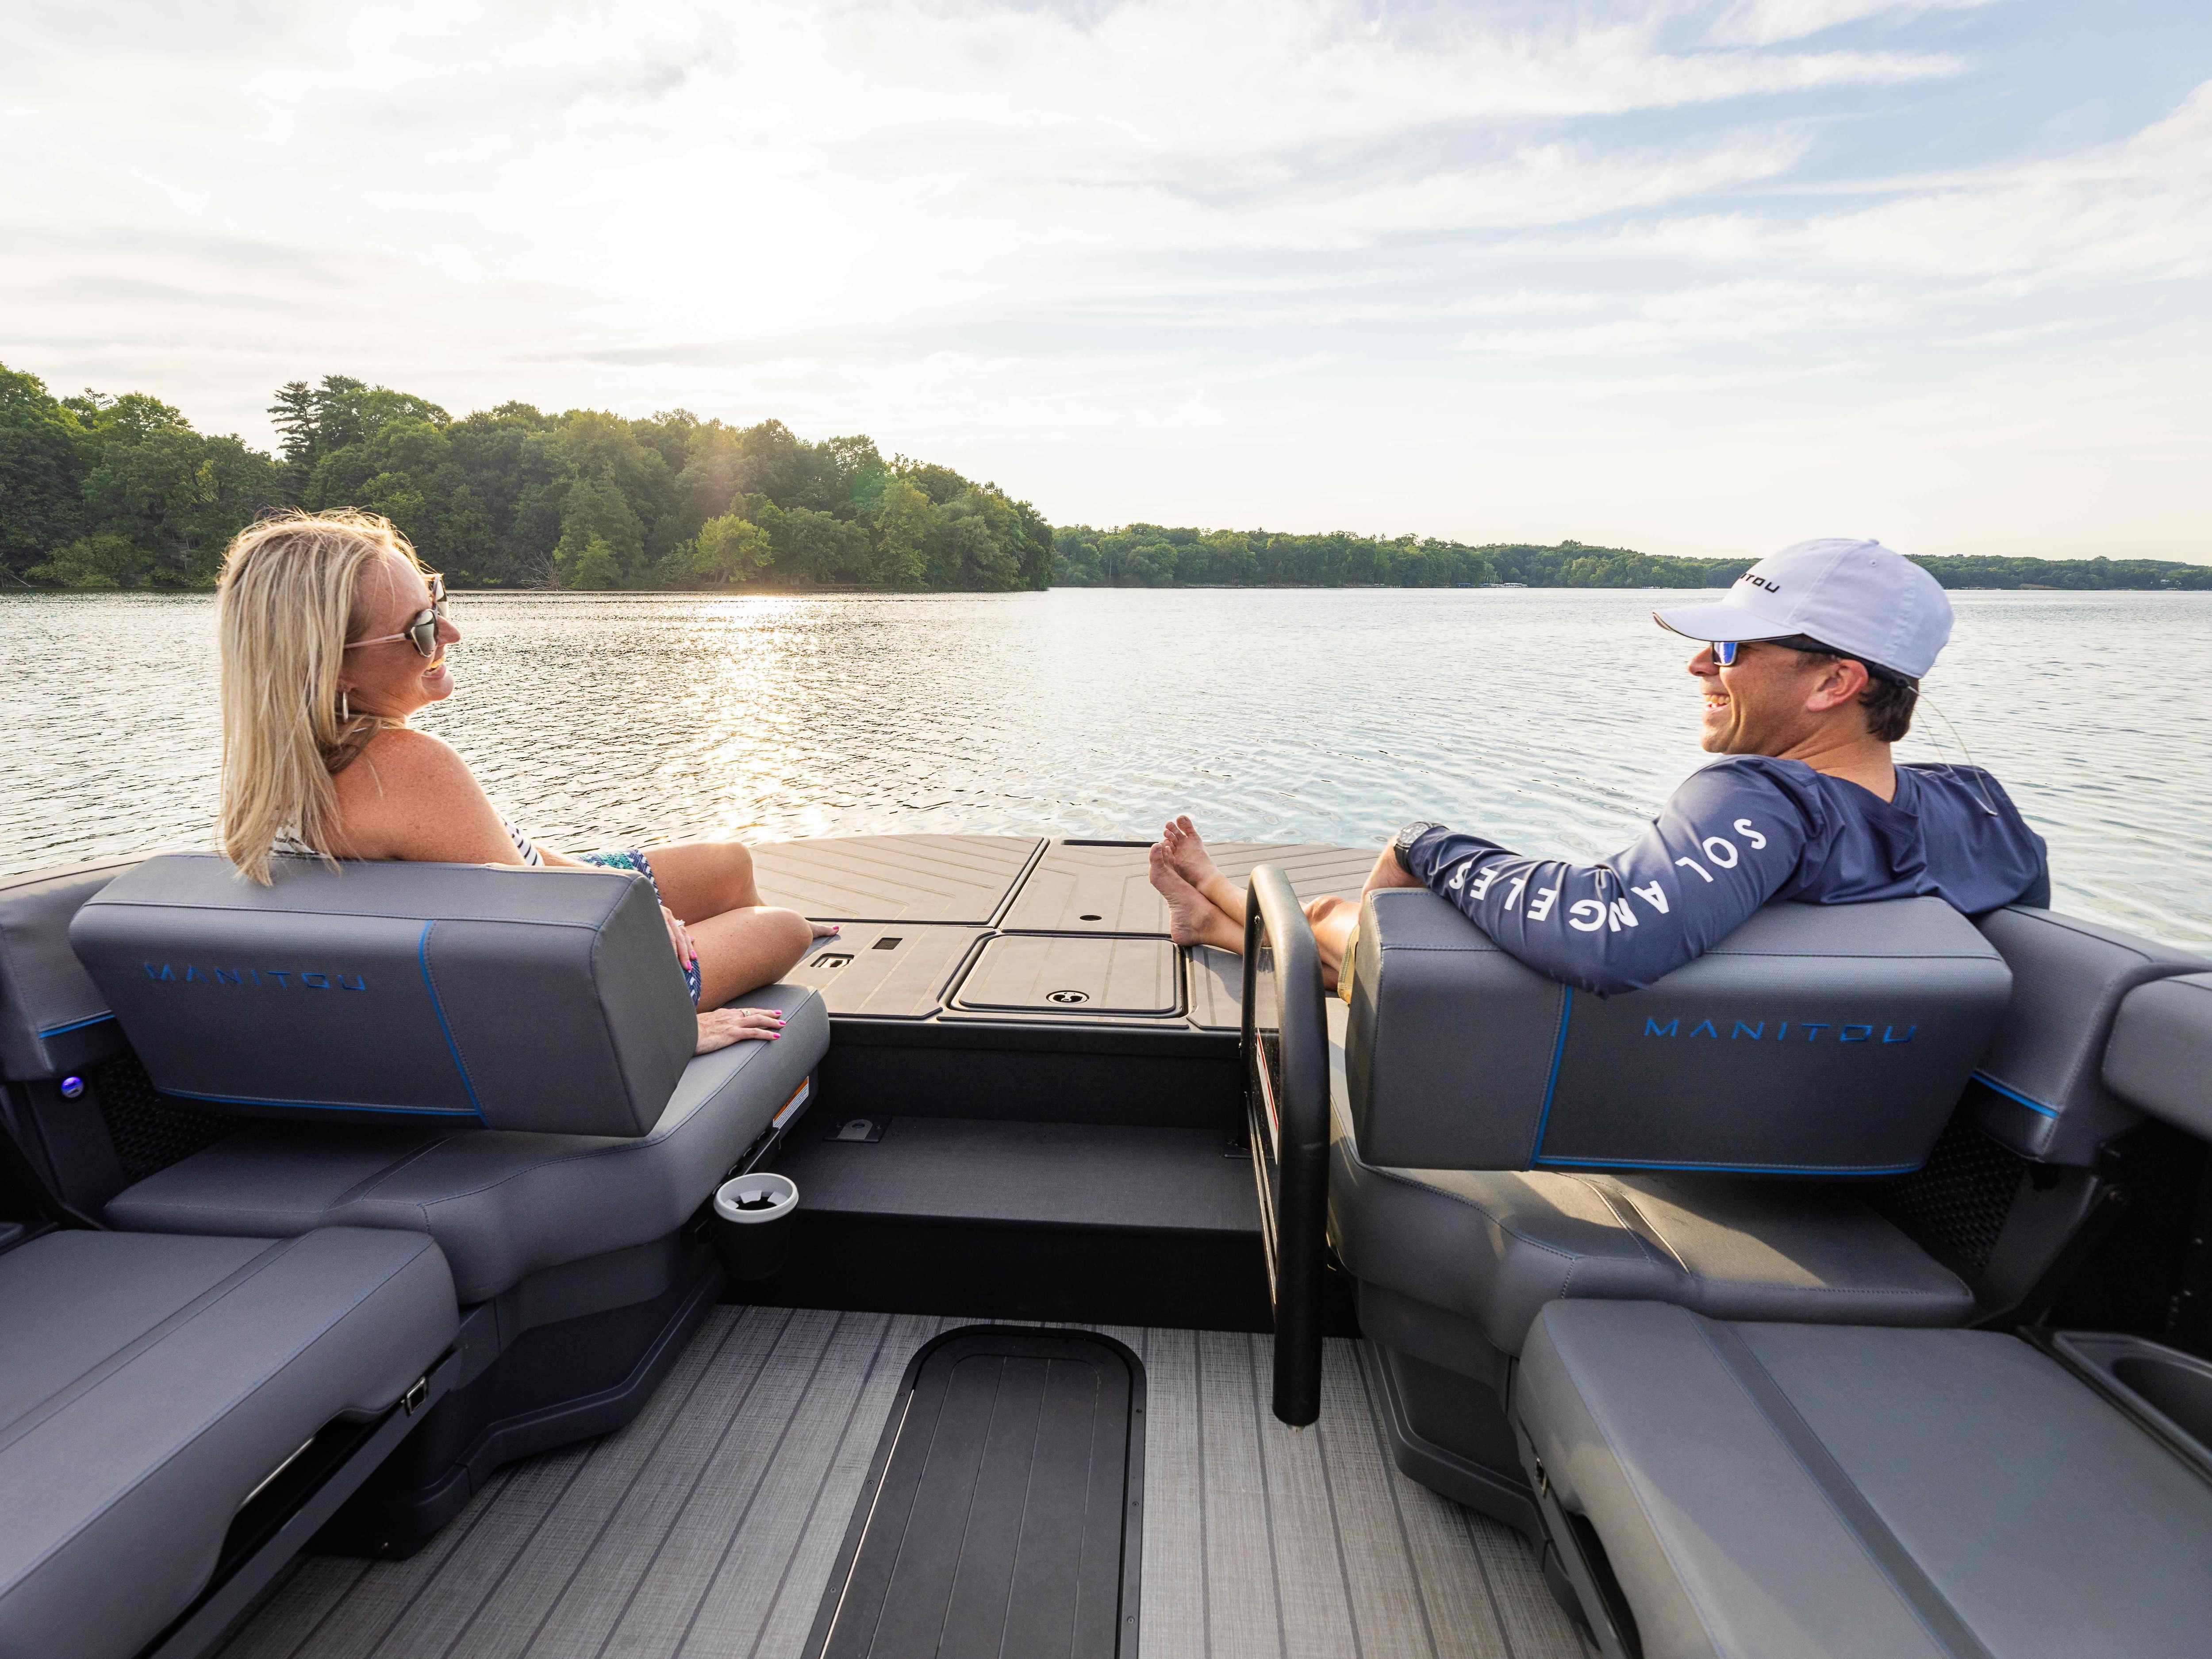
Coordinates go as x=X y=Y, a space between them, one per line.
x=1726 y=652
x=423 y=632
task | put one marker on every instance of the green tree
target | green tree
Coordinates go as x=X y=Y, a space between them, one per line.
x=730 y=550
x=601 y=540
x=42 y=464
x=907 y=522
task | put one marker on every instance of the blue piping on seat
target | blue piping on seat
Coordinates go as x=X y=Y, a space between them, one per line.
x=1988 y=1082
x=1732 y=1169
x=423 y=958
x=1552 y=1083
x=327 y=1105
x=76 y=1025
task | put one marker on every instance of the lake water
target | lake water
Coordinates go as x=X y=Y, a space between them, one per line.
x=1555 y=720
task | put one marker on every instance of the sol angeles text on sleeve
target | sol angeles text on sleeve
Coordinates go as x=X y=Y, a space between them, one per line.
x=1743 y=832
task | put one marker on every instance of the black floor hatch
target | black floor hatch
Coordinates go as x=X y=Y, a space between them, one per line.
x=1003 y=1513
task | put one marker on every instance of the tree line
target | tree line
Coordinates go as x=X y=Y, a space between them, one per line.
x=1155 y=555
x=121 y=492
x=99 y=491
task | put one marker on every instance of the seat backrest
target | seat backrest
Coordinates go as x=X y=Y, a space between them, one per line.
x=1814 y=1040
x=53 y=1019
x=514 y=998
x=2160 y=1055
x=2044 y=1092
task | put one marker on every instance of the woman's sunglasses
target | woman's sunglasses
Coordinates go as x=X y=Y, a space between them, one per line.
x=423 y=632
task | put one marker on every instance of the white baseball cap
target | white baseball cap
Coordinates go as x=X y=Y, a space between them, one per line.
x=1856 y=596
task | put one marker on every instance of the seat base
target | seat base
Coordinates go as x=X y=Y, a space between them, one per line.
x=1451 y=1435
x=553 y=1384
x=1805 y=1491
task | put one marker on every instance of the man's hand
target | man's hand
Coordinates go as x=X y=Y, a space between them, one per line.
x=1388 y=872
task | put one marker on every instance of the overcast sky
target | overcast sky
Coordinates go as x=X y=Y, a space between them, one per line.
x=1688 y=277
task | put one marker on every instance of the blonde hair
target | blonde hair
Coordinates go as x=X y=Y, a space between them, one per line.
x=289 y=602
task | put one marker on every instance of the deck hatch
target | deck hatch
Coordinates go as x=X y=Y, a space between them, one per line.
x=950 y=879
x=1075 y=975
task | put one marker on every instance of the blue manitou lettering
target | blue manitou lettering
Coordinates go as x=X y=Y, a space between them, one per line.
x=315 y=982
x=1843 y=1033
x=1653 y=1028
x=1758 y=1031
x=162 y=972
x=1888 y=1034
x=1705 y=1028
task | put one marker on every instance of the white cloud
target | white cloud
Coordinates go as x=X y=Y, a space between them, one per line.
x=1123 y=253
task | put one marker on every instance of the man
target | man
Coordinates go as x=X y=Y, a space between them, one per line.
x=1811 y=666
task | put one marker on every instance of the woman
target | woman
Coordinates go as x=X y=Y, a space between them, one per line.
x=333 y=637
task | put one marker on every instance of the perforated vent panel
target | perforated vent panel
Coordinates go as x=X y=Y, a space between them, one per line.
x=151 y=1130
x=1956 y=1203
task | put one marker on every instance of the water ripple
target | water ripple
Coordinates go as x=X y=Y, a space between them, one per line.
x=1554 y=719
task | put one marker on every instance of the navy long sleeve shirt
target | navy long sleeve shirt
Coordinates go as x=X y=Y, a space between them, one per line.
x=1743 y=832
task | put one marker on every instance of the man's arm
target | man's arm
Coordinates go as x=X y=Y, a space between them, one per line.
x=1724 y=844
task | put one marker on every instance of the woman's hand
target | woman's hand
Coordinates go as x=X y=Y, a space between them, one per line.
x=680 y=936
x=720 y=1027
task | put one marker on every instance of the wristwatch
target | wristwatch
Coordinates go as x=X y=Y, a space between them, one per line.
x=1404 y=844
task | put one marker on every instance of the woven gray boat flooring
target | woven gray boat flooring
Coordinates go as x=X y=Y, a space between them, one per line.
x=709 y=1525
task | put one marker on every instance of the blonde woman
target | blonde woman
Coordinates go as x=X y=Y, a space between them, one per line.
x=333 y=637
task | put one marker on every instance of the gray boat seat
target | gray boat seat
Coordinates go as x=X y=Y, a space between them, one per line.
x=53 y=1019
x=479 y=995
x=1500 y=1142
x=1445 y=1255
x=1808 y=1492
x=2041 y=1088
x=2160 y=1055
x=149 y=1386
x=502 y=1204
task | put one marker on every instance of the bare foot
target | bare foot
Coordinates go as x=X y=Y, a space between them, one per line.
x=825 y=929
x=1192 y=918
x=1187 y=852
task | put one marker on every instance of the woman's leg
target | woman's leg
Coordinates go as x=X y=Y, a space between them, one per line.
x=741 y=950
x=702 y=878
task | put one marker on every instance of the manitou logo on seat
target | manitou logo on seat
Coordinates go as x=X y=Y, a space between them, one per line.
x=284 y=979
x=1755 y=1030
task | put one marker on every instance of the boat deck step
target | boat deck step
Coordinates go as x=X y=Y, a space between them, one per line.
x=1062 y=1175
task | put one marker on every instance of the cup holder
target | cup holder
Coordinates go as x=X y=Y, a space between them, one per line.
x=752 y=1224
x=2166 y=1391
x=2182 y=1391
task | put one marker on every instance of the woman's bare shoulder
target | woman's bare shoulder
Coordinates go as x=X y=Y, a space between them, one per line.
x=400 y=756
x=410 y=796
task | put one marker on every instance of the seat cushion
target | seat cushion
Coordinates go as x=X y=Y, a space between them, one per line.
x=502 y=1204
x=52 y=1018
x=2160 y=1055
x=148 y=1385
x=1492 y=1246
x=2023 y=1509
